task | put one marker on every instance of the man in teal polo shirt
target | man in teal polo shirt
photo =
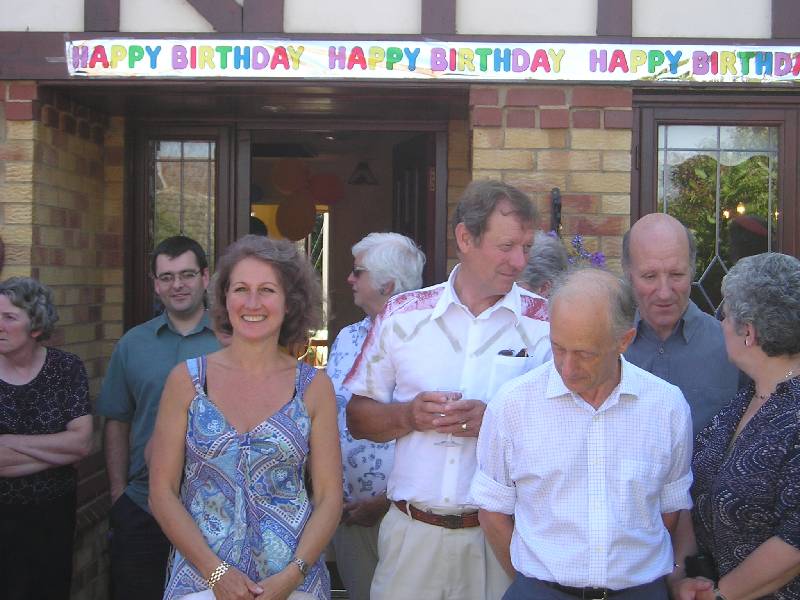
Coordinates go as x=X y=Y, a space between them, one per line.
x=140 y=364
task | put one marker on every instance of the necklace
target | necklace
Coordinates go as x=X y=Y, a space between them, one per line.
x=789 y=374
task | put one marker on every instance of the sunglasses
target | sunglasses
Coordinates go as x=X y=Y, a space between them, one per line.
x=357 y=271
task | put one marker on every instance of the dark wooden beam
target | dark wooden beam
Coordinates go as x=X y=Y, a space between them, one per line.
x=225 y=16
x=438 y=17
x=263 y=16
x=615 y=17
x=101 y=15
x=785 y=18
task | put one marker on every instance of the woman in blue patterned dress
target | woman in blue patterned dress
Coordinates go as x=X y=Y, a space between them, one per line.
x=747 y=460
x=237 y=431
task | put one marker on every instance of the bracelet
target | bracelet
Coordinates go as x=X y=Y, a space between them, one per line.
x=217 y=574
x=301 y=565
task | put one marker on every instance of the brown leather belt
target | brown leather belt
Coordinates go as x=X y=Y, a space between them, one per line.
x=446 y=521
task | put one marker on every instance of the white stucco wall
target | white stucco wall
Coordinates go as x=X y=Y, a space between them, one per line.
x=351 y=16
x=526 y=17
x=703 y=18
x=160 y=15
x=40 y=15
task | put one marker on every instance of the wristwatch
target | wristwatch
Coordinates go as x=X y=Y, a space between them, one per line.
x=303 y=566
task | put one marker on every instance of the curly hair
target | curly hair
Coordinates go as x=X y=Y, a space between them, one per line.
x=36 y=299
x=298 y=278
x=764 y=291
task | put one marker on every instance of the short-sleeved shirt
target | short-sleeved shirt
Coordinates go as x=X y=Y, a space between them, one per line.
x=428 y=340
x=748 y=492
x=135 y=378
x=57 y=395
x=366 y=465
x=693 y=357
x=587 y=486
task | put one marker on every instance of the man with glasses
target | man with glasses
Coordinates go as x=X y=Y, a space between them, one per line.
x=430 y=364
x=140 y=364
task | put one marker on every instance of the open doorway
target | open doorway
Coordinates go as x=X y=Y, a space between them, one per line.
x=327 y=189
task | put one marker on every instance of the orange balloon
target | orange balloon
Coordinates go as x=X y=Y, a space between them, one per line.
x=326 y=188
x=296 y=217
x=289 y=175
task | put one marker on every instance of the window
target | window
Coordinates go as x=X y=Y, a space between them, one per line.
x=721 y=182
x=725 y=165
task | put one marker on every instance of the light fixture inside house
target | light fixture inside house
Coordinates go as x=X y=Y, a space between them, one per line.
x=726 y=213
x=740 y=208
x=362 y=175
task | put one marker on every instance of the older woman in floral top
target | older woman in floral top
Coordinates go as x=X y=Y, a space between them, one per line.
x=384 y=264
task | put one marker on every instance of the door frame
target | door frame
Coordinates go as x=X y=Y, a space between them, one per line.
x=438 y=128
x=138 y=284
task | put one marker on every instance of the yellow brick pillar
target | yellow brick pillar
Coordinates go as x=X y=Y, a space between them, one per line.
x=575 y=138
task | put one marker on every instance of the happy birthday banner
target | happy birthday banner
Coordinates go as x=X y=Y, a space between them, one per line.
x=429 y=60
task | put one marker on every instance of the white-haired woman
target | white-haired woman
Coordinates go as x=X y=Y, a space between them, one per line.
x=45 y=428
x=746 y=462
x=384 y=264
x=547 y=260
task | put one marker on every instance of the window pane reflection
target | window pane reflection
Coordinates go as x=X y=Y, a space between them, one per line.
x=725 y=192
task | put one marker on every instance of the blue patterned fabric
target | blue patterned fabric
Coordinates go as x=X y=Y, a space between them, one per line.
x=752 y=493
x=246 y=491
x=366 y=465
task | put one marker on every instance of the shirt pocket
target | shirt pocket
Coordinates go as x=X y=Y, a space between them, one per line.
x=503 y=369
x=635 y=490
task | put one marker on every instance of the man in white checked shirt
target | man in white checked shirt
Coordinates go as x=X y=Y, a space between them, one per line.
x=458 y=339
x=584 y=462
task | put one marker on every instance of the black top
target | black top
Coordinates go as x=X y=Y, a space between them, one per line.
x=751 y=493
x=58 y=394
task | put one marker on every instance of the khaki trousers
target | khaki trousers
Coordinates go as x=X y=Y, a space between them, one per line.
x=425 y=562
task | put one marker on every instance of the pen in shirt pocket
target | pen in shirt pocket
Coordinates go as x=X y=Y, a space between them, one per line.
x=508 y=352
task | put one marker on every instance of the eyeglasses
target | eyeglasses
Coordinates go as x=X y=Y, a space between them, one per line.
x=357 y=271
x=184 y=276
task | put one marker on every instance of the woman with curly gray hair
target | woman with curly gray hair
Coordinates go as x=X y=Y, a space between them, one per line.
x=547 y=260
x=237 y=432
x=747 y=460
x=45 y=428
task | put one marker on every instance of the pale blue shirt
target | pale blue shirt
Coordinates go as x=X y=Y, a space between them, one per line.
x=366 y=464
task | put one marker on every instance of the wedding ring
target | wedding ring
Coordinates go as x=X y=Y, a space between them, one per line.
x=464 y=427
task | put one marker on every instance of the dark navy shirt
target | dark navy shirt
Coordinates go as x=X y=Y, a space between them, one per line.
x=750 y=493
x=693 y=358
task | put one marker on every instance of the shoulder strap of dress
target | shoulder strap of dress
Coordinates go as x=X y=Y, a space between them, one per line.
x=197 y=371
x=304 y=374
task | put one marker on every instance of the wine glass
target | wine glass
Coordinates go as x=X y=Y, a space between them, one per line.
x=450 y=441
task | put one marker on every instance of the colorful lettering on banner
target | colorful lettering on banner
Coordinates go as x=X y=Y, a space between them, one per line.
x=431 y=60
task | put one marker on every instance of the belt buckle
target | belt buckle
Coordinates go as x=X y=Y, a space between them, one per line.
x=451 y=521
x=593 y=594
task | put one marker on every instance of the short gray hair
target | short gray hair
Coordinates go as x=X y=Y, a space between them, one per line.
x=626 y=251
x=764 y=291
x=547 y=260
x=618 y=290
x=36 y=299
x=391 y=257
x=479 y=200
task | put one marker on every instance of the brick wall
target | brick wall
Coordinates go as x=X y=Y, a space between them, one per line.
x=575 y=138
x=61 y=198
x=459 y=150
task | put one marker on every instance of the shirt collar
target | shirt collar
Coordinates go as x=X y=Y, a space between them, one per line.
x=162 y=321
x=686 y=327
x=510 y=301
x=364 y=324
x=628 y=387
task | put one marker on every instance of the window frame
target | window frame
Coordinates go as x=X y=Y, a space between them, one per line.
x=654 y=108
